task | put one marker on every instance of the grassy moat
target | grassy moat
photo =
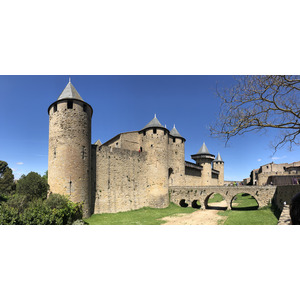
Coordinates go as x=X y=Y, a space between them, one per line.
x=244 y=212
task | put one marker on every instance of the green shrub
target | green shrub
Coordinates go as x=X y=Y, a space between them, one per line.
x=9 y=215
x=56 y=210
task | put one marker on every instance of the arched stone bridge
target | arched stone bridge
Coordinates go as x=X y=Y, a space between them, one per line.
x=262 y=194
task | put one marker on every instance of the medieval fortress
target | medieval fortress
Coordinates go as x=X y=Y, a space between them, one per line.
x=132 y=170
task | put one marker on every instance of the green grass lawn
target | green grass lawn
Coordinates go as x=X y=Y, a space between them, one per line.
x=142 y=216
x=246 y=213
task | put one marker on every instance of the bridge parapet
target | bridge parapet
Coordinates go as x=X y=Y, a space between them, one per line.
x=262 y=194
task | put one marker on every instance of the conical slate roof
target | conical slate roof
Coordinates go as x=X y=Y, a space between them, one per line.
x=174 y=132
x=218 y=157
x=70 y=93
x=203 y=150
x=153 y=123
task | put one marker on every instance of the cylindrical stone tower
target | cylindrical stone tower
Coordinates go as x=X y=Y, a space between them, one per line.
x=176 y=158
x=218 y=164
x=69 y=158
x=154 y=140
x=204 y=159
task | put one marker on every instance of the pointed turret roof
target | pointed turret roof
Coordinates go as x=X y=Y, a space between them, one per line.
x=70 y=93
x=203 y=150
x=174 y=132
x=218 y=157
x=153 y=123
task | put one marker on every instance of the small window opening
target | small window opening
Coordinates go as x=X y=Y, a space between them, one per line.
x=141 y=149
x=144 y=133
x=83 y=152
x=70 y=104
x=84 y=107
x=165 y=132
x=55 y=108
x=154 y=130
x=54 y=152
x=174 y=140
x=117 y=144
x=151 y=146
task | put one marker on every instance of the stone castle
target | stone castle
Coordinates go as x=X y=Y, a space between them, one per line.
x=132 y=170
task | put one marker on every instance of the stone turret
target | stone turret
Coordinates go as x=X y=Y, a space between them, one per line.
x=176 y=171
x=218 y=164
x=154 y=141
x=69 y=159
x=204 y=159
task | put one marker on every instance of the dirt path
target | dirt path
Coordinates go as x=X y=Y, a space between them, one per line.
x=200 y=217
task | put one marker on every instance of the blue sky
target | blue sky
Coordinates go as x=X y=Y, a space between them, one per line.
x=126 y=103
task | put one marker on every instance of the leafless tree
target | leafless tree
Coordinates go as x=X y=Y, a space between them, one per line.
x=260 y=102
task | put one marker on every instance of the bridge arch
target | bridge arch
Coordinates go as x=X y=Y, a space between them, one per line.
x=209 y=196
x=183 y=203
x=196 y=204
x=249 y=203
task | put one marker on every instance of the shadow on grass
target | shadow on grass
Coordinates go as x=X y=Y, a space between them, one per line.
x=216 y=207
x=245 y=208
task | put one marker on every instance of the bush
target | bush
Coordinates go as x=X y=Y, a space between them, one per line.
x=9 y=215
x=57 y=210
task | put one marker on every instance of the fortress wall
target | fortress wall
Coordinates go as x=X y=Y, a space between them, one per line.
x=285 y=193
x=192 y=180
x=115 y=142
x=214 y=181
x=120 y=180
x=131 y=141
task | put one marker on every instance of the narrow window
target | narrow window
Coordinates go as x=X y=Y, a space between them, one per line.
x=55 y=108
x=165 y=132
x=84 y=107
x=70 y=104
x=144 y=133
x=154 y=130
x=83 y=152
x=141 y=149
x=54 y=152
x=174 y=139
x=117 y=144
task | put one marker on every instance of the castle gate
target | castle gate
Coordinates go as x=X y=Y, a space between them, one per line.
x=188 y=196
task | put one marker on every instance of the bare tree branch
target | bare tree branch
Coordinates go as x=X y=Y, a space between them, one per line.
x=259 y=102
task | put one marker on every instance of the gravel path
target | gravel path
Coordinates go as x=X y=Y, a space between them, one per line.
x=199 y=217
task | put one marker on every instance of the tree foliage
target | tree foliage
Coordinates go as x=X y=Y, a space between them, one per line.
x=32 y=185
x=6 y=178
x=260 y=102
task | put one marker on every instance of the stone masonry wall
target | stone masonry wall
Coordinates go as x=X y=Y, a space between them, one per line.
x=121 y=181
x=285 y=193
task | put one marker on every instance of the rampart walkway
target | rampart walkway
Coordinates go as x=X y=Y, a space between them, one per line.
x=188 y=196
